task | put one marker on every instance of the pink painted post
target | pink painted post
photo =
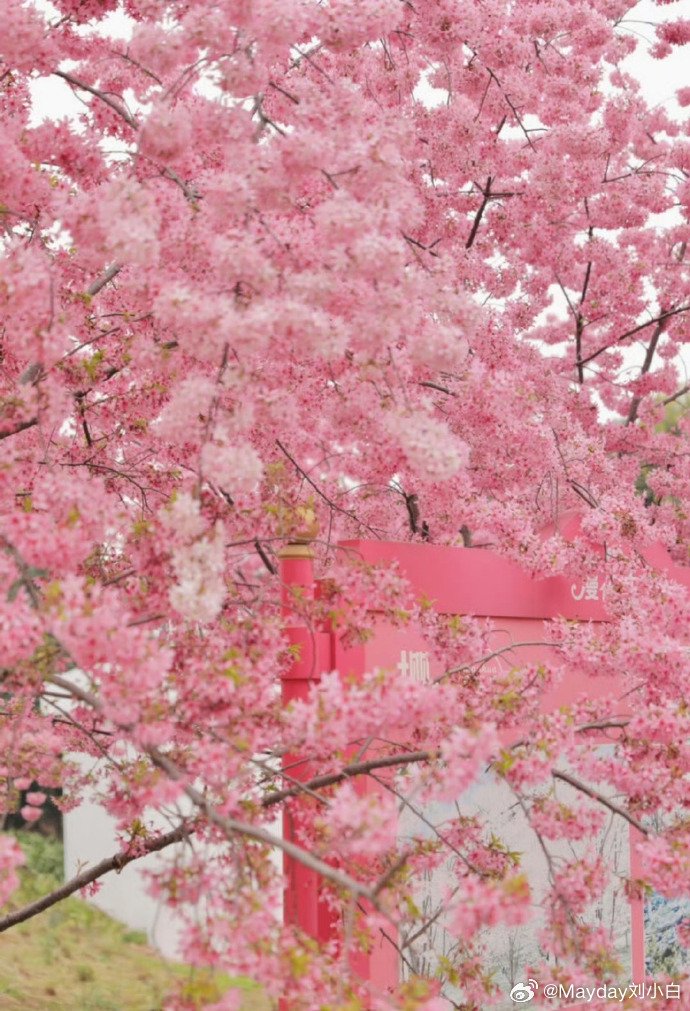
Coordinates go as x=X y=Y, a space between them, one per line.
x=313 y=655
x=637 y=911
x=297 y=578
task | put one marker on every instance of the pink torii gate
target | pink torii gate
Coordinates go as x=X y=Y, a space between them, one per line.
x=460 y=581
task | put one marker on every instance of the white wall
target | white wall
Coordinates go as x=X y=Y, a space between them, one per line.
x=89 y=836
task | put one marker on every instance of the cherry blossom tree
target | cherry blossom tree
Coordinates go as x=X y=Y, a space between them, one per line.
x=396 y=269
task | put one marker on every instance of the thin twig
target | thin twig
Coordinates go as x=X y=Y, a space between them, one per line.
x=636 y=329
x=76 y=82
x=646 y=365
x=333 y=505
x=347 y=772
x=595 y=795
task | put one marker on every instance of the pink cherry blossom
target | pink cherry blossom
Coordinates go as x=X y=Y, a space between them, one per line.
x=430 y=448
x=166 y=134
x=367 y=271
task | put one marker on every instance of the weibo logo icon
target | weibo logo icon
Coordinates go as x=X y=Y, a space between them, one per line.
x=522 y=993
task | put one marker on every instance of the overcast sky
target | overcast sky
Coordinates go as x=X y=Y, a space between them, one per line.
x=660 y=78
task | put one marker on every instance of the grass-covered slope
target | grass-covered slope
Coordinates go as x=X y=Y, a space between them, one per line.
x=73 y=957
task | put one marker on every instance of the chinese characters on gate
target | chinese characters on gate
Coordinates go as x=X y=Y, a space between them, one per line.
x=414 y=665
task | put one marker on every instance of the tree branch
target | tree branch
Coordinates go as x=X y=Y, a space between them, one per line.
x=600 y=798
x=232 y=826
x=465 y=668
x=261 y=552
x=511 y=107
x=636 y=329
x=580 y=321
x=435 y=386
x=228 y=825
x=107 y=276
x=76 y=82
x=333 y=505
x=114 y=863
x=486 y=192
x=19 y=426
x=674 y=396
x=646 y=365
x=190 y=192
x=347 y=772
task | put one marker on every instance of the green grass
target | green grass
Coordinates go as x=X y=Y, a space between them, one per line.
x=73 y=957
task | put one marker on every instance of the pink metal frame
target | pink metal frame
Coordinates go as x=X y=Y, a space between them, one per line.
x=459 y=581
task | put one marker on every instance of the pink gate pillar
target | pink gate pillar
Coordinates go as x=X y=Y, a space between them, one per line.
x=313 y=656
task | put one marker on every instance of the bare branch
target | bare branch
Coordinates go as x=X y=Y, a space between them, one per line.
x=112 y=103
x=261 y=552
x=347 y=772
x=646 y=365
x=322 y=494
x=435 y=386
x=19 y=426
x=114 y=863
x=636 y=329
x=486 y=192
x=675 y=396
x=105 y=278
x=600 y=798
